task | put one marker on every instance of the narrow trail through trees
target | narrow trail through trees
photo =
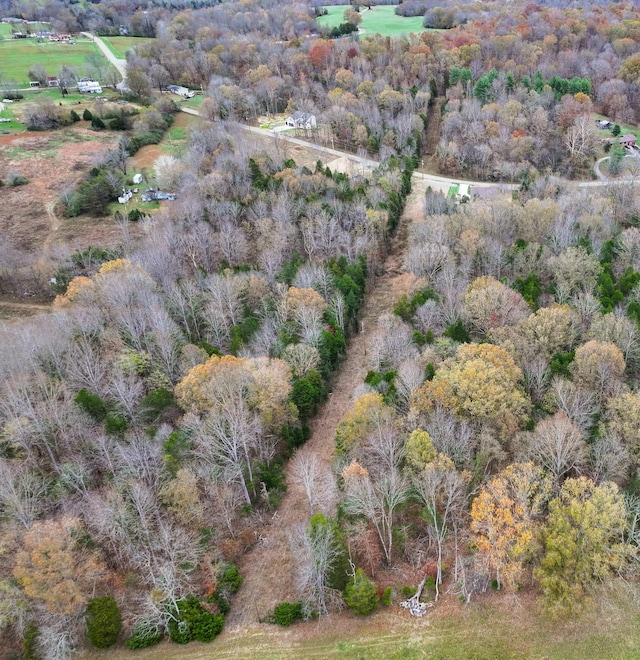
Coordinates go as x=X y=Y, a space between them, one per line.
x=269 y=569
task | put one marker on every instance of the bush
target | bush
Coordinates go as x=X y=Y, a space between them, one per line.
x=87 y=115
x=361 y=595
x=92 y=404
x=115 y=423
x=145 y=633
x=29 y=642
x=103 y=622
x=194 y=622
x=97 y=123
x=386 y=596
x=407 y=591
x=230 y=580
x=18 y=180
x=287 y=613
x=155 y=403
x=74 y=116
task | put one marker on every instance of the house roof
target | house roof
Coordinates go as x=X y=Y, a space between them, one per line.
x=629 y=137
x=298 y=115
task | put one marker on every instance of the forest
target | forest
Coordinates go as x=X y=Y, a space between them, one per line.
x=155 y=420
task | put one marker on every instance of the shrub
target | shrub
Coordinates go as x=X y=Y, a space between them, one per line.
x=103 y=622
x=407 y=591
x=194 y=622
x=386 y=596
x=155 y=403
x=29 y=642
x=92 y=404
x=287 y=613
x=230 y=580
x=145 y=633
x=18 y=180
x=361 y=595
x=97 y=123
x=87 y=115
x=74 y=116
x=115 y=423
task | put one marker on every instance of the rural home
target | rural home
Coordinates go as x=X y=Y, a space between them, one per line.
x=603 y=124
x=628 y=140
x=52 y=81
x=89 y=86
x=301 y=119
x=180 y=91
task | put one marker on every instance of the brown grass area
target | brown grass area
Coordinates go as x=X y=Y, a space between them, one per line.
x=53 y=162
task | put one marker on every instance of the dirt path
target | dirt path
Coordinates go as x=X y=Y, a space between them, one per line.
x=269 y=569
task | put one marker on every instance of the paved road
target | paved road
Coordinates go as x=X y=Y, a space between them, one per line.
x=120 y=65
x=435 y=181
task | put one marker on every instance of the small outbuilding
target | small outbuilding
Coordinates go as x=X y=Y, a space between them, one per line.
x=137 y=178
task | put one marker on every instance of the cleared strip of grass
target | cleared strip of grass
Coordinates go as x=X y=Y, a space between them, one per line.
x=504 y=628
x=120 y=45
x=378 y=20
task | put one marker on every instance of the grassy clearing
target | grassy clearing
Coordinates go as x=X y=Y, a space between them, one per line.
x=506 y=627
x=626 y=128
x=379 y=20
x=120 y=45
x=5 y=31
x=17 y=56
x=13 y=126
x=193 y=102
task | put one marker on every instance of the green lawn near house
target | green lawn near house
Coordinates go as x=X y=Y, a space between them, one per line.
x=380 y=19
x=120 y=45
x=17 y=56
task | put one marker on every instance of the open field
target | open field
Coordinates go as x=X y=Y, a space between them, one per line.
x=496 y=627
x=5 y=31
x=120 y=45
x=378 y=20
x=18 y=56
x=52 y=162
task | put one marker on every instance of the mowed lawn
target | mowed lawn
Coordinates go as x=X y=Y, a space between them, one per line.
x=120 y=45
x=17 y=56
x=378 y=20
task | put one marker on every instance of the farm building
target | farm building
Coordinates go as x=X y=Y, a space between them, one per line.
x=301 y=119
x=89 y=86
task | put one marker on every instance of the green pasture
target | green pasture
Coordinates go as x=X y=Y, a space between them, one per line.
x=14 y=126
x=120 y=45
x=17 y=56
x=6 y=29
x=380 y=19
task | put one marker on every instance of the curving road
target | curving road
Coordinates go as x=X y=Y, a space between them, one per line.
x=435 y=181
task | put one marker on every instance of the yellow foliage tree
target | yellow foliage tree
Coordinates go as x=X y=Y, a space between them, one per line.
x=53 y=569
x=420 y=450
x=357 y=424
x=264 y=383
x=505 y=518
x=482 y=382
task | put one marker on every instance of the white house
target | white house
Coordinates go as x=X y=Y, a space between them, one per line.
x=185 y=92
x=89 y=86
x=301 y=119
